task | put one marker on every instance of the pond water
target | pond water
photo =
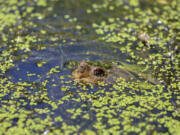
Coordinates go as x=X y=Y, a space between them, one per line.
x=42 y=42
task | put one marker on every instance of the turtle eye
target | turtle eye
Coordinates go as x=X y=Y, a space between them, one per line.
x=99 y=72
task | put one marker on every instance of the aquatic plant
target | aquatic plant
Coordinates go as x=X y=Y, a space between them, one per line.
x=41 y=43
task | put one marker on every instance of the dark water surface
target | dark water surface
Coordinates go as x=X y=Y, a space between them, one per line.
x=43 y=44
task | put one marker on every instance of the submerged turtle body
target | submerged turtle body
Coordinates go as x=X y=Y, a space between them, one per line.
x=87 y=73
x=116 y=72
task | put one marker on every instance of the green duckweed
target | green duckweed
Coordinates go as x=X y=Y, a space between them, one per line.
x=38 y=94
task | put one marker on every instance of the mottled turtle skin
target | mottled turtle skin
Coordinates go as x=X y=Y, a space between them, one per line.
x=86 y=73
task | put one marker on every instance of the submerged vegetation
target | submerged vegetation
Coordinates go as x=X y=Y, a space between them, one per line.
x=42 y=42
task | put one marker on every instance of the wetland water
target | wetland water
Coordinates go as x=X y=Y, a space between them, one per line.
x=42 y=42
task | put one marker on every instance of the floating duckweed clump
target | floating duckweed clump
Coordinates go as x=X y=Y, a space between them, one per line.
x=160 y=55
x=42 y=42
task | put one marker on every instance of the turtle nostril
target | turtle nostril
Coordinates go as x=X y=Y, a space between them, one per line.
x=82 y=67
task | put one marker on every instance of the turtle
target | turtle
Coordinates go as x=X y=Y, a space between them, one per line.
x=88 y=73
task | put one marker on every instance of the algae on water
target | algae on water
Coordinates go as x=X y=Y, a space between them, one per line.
x=41 y=43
